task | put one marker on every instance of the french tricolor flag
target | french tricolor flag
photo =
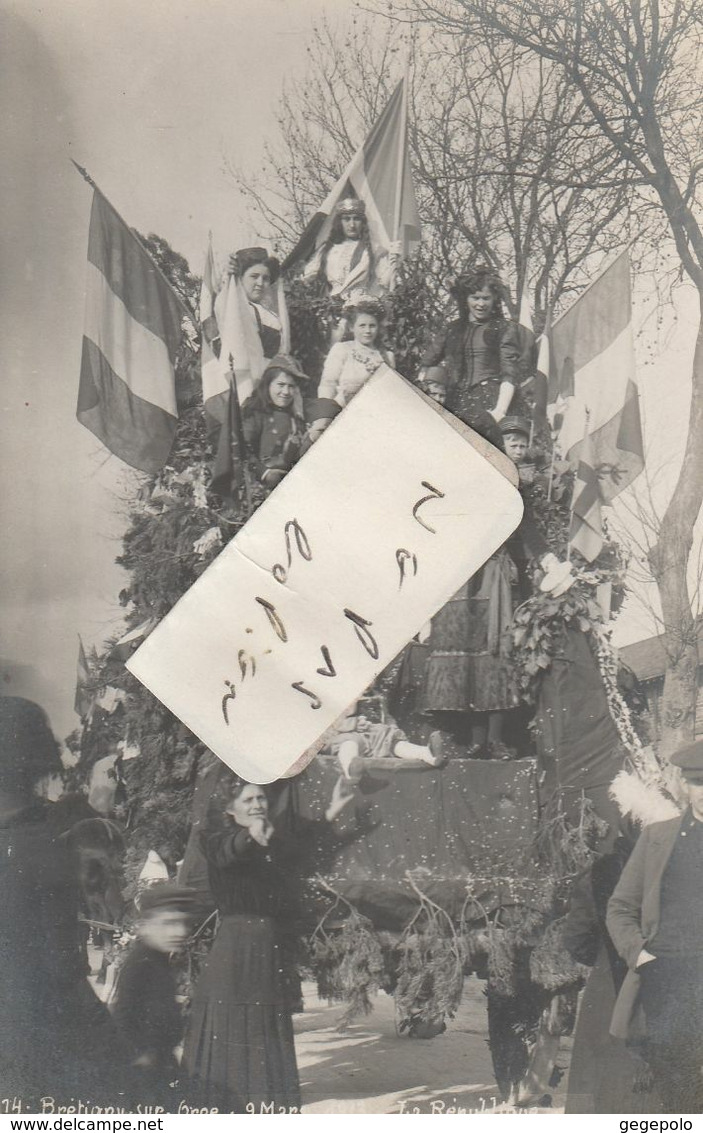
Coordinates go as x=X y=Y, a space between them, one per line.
x=127 y=392
x=380 y=175
x=592 y=372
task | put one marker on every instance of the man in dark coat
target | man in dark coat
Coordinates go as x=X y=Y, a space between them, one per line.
x=655 y=918
x=604 y=1076
x=56 y=1038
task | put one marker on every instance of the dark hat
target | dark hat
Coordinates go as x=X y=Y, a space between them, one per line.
x=288 y=365
x=350 y=206
x=245 y=258
x=28 y=747
x=436 y=374
x=690 y=760
x=322 y=409
x=168 y=896
x=515 y=425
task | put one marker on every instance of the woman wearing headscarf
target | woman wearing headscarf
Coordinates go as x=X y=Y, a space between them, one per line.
x=273 y=424
x=348 y=265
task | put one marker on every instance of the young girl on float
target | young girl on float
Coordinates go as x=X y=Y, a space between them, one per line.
x=481 y=351
x=272 y=421
x=346 y=263
x=350 y=364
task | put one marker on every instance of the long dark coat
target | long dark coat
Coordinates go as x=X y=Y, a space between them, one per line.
x=604 y=1076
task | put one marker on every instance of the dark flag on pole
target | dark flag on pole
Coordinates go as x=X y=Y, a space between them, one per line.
x=220 y=392
x=228 y=476
x=84 y=699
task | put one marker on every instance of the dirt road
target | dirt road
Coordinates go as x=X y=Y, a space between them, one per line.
x=371 y=1069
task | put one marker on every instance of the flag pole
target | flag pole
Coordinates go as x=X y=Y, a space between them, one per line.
x=571 y=509
x=400 y=173
x=237 y=416
x=185 y=307
x=551 y=470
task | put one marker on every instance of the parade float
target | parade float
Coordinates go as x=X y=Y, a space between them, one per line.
x=438 y=873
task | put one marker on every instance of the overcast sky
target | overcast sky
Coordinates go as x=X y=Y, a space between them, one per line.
x=150 y=96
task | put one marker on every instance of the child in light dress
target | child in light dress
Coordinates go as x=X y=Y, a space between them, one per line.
x=349 y=365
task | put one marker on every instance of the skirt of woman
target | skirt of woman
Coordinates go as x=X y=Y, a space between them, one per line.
x=239 y=1048
x=467 y=670
x=468 y=401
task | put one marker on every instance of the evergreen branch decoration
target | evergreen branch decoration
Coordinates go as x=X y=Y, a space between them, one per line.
x=347 y=958
x=551 y=966
x=431 y=968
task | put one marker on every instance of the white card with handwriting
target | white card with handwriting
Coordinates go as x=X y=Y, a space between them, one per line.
x=379 y=524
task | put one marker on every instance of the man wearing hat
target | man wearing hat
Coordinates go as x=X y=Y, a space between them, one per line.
x=655 y=918
x=145 y=1009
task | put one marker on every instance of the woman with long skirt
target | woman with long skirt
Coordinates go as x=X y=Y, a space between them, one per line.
x=239 y=1046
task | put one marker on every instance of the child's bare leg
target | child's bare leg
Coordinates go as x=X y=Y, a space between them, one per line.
x=403 y=749
x=349 y=750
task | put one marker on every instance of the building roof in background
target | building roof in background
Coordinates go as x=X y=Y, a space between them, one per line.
x=647 y=658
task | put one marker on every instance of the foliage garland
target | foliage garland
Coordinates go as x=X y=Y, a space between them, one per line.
x=347 y=958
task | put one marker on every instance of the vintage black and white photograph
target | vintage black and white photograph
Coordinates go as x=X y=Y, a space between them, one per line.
x=351 y=741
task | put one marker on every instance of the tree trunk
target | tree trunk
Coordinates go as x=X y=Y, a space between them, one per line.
x=669 y=563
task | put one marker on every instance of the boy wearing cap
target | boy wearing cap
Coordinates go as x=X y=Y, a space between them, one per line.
x=558 y=576
x=319 y=414
x=145 y=1009
x=435 y=383
x=655 y=918
x=516 y=438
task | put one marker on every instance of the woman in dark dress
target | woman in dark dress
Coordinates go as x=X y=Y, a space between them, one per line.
x=272 y=421
x=469 y=682
x=481 y=351
x=469 y=685
x=239 y=1047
